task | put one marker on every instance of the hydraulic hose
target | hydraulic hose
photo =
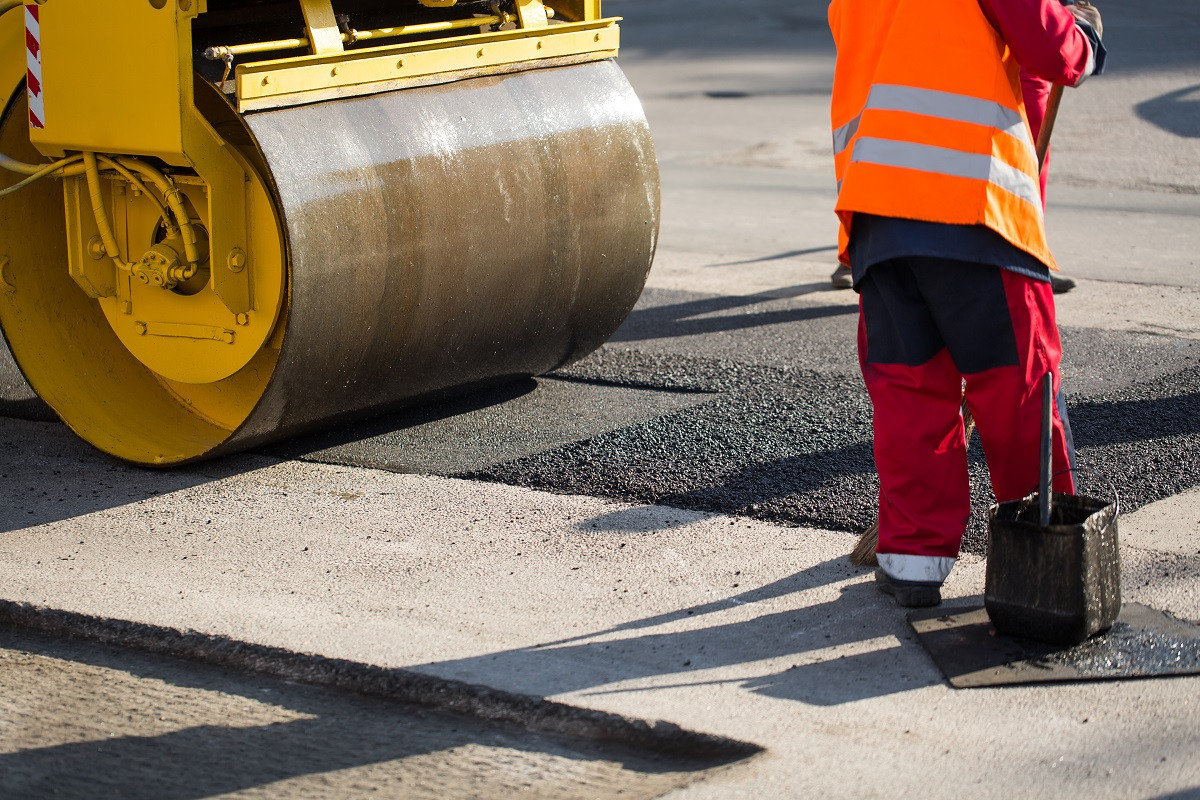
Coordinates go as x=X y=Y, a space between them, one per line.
x=125 y=167
x=175 y=200
x=120 y=169
x=38 y=171
x=12 y=165
x=92 y=170
x=63 y=168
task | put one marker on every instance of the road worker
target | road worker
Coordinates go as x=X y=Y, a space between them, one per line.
x=941 y=225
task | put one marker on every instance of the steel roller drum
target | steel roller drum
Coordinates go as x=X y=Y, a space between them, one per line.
x=438 y=238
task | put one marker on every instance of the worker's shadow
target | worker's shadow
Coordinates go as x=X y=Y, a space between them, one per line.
x=1176 y=112
x=1112 y=423
x=852 y=647
x=712 y=314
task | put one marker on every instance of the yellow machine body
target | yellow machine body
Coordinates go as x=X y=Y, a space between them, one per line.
x=235 y=181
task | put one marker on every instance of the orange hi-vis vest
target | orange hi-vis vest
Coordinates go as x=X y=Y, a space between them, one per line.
x=928 y=122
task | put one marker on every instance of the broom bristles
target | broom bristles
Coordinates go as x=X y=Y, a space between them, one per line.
x=968 y=422
x=863 y=554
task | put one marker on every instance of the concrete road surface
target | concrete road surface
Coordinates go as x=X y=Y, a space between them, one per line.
x=659 y=531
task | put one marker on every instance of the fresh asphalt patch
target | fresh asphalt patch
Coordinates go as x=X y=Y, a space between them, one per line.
x=790 y=446
x=794 y=446
x=105 y=708
x=475 y=431
x=754 y=406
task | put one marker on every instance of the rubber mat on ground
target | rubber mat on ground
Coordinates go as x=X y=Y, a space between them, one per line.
x=1143 y=643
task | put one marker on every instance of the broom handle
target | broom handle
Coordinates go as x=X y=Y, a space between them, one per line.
x=1043 y=139
x=1044 y=482
x=1042 y=146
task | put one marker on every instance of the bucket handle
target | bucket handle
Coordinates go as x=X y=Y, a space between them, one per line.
x=1044 y=500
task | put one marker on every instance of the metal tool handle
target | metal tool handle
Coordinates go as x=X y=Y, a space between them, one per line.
x=1044 y=479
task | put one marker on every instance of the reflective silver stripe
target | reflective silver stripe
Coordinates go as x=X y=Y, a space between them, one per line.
x=947 y=105
x=935 y=103
x=1013 y=181
x=944 y=161
x=842 y=136
x=925 y=569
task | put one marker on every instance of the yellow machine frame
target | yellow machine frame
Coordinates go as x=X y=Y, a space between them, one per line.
x=331 y=71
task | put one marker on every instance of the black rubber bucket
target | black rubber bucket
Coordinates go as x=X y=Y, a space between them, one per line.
x=1057 y=583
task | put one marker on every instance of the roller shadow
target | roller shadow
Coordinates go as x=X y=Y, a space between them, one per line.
x=463 y=401
x=47 y=475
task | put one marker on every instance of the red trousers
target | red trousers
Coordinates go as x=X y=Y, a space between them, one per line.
x=926 y=330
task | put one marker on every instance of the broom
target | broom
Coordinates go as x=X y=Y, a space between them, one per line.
x=863 y=554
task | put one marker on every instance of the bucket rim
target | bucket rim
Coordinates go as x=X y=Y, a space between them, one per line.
x=1010 y=511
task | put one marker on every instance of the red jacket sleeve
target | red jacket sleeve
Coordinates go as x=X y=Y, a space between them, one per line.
x=1043 y=38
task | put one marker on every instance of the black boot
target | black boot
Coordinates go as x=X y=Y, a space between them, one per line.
x=910 y=594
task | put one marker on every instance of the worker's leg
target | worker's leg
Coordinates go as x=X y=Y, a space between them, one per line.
x=1005 y=398
x=924 y=497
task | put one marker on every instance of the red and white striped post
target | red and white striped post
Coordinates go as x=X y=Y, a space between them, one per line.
x=33 y=61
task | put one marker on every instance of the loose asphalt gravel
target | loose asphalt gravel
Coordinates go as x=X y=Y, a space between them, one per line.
x=793 y=445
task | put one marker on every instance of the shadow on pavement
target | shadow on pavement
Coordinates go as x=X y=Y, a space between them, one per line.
x=752 y=487
x=1176 y=112
x=813 y=577
x=133 y=725
x=696 y=317
x=1183 y=794
x=809 y=636
x=47 y=475
x=1112 y=422
x=783 y=257
x=435 y=410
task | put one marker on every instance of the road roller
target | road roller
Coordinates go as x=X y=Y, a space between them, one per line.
x=225 y=222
